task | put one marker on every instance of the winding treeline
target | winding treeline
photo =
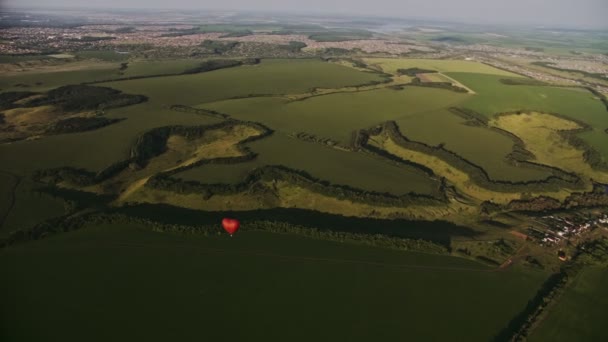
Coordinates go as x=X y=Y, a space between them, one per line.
x=557 y=180
x=165 y=181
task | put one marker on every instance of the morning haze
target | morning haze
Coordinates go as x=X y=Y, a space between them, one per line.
x=557 y=13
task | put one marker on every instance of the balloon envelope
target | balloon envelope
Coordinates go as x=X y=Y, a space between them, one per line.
x=231 y=225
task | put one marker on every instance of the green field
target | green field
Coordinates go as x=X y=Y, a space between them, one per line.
x=488 y=150
x=159 y=67
x=496 y=97
x=252 y=286
x=337 y=115
x=29 y=208
x=94 y=150
x=581 y=313
x=338 y=167
x=269 y=77
x=18 y=59
x=47 y=79
x=391 y=65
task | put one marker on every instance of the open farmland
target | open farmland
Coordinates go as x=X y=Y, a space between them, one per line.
x=336 y=116
x=380 y=197
x=255 y=279
x=580 y=313
x=578 y=104
x=268 y=77
x=391 y=65
x=45 y=78
x=490 y=154
x=365 y=171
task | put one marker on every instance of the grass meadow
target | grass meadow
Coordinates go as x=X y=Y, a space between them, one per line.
x=580 y=315
x=158 y=286
x=356 y=170
x=579 y=104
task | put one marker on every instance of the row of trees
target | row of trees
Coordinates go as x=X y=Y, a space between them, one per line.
x=280 y=173
x=70 y=222
x=588 y=253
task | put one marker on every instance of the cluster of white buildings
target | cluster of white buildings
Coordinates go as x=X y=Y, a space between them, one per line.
x=560 y=228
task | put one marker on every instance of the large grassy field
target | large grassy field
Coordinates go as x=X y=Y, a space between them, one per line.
x=29 y=208
x=580 y=314
x=268 y=77
x=156 y=286
x=496 y=97
x=488 y=149
x=391 y=65
x=43 y=79
x=112 y=143
x=338 y=167
x=94 y=150
x=337 y=115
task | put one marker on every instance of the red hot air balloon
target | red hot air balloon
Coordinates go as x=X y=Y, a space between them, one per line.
x=230 y=225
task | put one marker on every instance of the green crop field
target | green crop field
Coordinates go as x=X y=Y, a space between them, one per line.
x=268 y=77
x=97 y=149
x=580 y=315
x=391 y=65
x=46 y=79
x=579 y=104
x=158 y=286
x=489 y=149
x=444 y=197
x=337 y=115
x=338 y=167
x=159 y=67
x=29 y=208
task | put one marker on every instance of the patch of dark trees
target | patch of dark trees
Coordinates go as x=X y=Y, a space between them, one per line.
x=79 y=124
x=523 y=81
x=206 y=66
x=429 y=237
x=253 y=181
x=293 y=46
x=414 y=71
x=216 y=64
x=218 y=47
x=199 y=111
x=438 y=231
x=8 y=99
x=439 y=85
x=74 y=98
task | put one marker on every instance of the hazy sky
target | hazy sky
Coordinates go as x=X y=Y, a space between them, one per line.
x=586 y=13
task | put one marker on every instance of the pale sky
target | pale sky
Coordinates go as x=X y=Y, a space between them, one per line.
x=570 y=13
